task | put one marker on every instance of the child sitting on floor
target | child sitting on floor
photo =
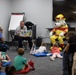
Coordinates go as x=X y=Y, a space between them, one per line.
x=10 y=70
x=20 y=63
x=41 y=49
x=3 y=48
x=55 y=52
x=4 y=58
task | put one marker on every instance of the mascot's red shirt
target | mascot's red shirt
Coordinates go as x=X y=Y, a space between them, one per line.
x=63 y=28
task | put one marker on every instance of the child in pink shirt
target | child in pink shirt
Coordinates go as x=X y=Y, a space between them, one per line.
x=55 y=52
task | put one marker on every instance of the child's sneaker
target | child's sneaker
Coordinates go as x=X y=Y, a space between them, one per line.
x=52 y=58
x=31 y=52
x=33 y=49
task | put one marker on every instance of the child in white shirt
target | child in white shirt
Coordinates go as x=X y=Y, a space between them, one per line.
x=41 y=49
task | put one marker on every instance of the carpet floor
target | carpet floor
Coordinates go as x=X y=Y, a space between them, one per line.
x=43 y=65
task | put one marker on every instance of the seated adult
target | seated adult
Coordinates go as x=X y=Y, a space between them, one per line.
x=20 y=32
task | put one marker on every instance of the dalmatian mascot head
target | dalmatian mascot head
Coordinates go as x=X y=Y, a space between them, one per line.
x=60 y=20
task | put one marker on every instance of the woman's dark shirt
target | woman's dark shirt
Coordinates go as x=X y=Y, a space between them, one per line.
x=72 y=42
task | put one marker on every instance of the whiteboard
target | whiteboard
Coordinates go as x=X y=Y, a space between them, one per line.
x=15 y=21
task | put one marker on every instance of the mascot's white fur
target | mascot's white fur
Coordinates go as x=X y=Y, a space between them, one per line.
x=59 y=29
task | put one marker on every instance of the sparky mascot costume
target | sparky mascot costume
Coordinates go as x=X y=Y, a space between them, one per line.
x=59 y=29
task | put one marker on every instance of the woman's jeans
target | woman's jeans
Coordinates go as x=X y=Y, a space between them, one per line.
x=67 y=63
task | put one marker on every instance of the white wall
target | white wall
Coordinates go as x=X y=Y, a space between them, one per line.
x=37 y=11
x=5 y=9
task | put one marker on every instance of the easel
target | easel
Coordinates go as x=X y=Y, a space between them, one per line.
x=14 y=23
